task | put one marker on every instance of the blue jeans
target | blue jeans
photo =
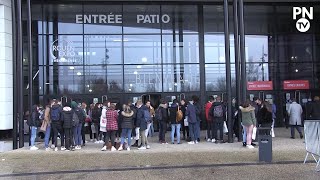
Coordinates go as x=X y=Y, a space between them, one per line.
x=33 y=135
x=47 y=136
x=126 y=133
x=151 y=130
x=244 y=135
x=198 y=130
x=77 y=135
x=193 y=131
x=175 y=127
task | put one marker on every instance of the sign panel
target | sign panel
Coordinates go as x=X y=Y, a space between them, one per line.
x=296 y=84
x=260 y=86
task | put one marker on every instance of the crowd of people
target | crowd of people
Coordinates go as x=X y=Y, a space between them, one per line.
x=107 y=122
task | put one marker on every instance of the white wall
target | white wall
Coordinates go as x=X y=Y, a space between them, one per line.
x=6 y=61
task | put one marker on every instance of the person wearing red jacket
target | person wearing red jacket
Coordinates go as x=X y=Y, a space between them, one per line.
x=210 y=124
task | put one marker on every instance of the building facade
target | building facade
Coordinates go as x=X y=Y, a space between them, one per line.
x=97 y=50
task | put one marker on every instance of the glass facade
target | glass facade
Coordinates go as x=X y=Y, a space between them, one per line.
x=88 y=50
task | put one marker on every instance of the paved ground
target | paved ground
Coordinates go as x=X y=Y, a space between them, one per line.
x=201 y=161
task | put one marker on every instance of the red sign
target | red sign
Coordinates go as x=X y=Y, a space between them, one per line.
x=296 y=84
x=260 y=85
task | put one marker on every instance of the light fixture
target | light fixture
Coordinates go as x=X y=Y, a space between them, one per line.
x=40 y=88
x=71 y=67
x=144 y=59
x=47 y=83
x=90 y=90
x=175 y=84
x=170 y=89
x=135 y=72
x=138 y=67
x=130 y=85
x=129 y=89
x=79 y=73
x=24 y=59
x=88 y=85
x=297 y=70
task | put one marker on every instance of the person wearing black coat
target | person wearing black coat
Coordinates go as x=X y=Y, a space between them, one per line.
x=163 y=109
x=142 y=124
x=183 y=107
x=34 y=123
x=126 y=125
x=175 y=126
x=314 y=112
x=66 y=118
x=264 y=118
x=96 y=114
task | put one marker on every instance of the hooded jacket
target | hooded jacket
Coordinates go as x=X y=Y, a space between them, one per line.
x=173 y=113
x=164 y=112
x=66 y=117
x=78 y=111
x=33 y=119
x=127 y=120
x=140 y=118
x=248 y=116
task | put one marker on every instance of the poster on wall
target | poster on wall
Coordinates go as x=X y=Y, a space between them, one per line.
x=260 y=86
x=295 y=84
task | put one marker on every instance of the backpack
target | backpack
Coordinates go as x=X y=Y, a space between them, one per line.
x=179 y=115
x=158 y=114
x=75 y=119
x=218 y=111
x=147 y=116
x=55 y=114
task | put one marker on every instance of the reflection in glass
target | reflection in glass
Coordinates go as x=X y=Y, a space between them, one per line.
x=258 y=71
x=142 y=49
x=181 y=78
x=216 y=77
x=257 y=48
x=180 y=48
x=102 y=49
x=142 y=78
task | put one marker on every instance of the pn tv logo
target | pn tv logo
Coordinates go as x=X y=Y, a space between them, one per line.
x=303 y=24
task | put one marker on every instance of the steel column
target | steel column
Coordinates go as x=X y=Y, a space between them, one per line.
x=242 y=53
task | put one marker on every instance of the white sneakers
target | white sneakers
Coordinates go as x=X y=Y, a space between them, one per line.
x=104 y=148
x=56 y=149
x=250 y=147
x=120 y=148
x=148 y=147
x=191 y=142
x=113 y=148
x=78 y=147
x=48 y=149
x=213 y=140
x=52 y=146
x=33 y=148
x=128 y=149
x=63 y=148
x=208 y=140
x=142 y=148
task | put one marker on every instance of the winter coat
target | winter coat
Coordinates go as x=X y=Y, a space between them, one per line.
x=191 y=113
x=58 y=108
x=223 y=118
x=295 y=112
x=248 y=116
x=164 y=113
x=96 y=114
x=134 y=117
x=112 y=120
x=127 y=120
x=198 y=111
x=140 y=118
x=66 y=117
x=315 y=110
x=80 y=113
x=47 y=115
x=207 y=108
x=264 y=116
x=173 y=113
x=33 y=119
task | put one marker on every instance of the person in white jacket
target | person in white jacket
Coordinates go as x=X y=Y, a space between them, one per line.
x=295 y=118
x=103 y=120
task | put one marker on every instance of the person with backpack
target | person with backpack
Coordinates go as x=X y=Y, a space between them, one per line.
x=143 y=115
x=218 y=113
x=126 y=125
x=67 y=119
x=57 y=124
x=175 y=125
x=211 y=136
x=161 y=115
x=112 y=127
x=34 y=123
x=77 y=119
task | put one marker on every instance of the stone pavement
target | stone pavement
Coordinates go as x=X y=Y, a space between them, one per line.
x=201 y=161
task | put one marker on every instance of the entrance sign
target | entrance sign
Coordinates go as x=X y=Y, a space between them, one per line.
x=260 y=86
x=312 y=140
x=117 y=18
x=296 y=84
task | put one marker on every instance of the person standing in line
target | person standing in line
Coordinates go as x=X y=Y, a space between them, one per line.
x=142 y=111
x=314 y=112
x=57 y=124
x=96 y=114
x=34 y=123
x=137 y=123
x=150 y=122
x=112 y=127
x=192 y=123
x=162 y=117
x=67 y=119
x=175 y=126
x=126 y=125
x=78 y=119
x=197 y=107
x=90 y=123
x=248 y=121
x=134 y=118
x=185 y=129
x=264 y=117
x=47 y=120
x=218 y=113
x=235 y=119
x=84 y=123
x=210 y=128
x=103 y=130
x=295 y=118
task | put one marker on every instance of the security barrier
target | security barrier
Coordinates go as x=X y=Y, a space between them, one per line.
x=312 y=140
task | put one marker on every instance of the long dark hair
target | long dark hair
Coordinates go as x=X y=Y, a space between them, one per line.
x=246 y=104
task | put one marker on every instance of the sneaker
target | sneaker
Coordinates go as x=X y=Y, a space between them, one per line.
x=101 y=141
x=250 y=147
x=91 y=140
x=209 y=140
x=113 y=148
x=253 y=144
x=213 y=140
x=104 y=148
x=172 y=142
x=120 y=148
x=33 y=148
x=56 y=149
x=52 y=146
x=142 y=148
x=67 y=150
x=78 y=147
x=48 y=149
x=148 y=147
x=244 y=144
x=63 y=148
x=197 y=142
x=191 y=142
x=128 y=149
x=301 y=136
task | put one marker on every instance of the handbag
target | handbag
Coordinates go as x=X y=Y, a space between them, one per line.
x=103 y=122
x=179 y=115
x=93 y=129
x=254 y=133
x=43 y=127
x=225 y=128
x=186 y=123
